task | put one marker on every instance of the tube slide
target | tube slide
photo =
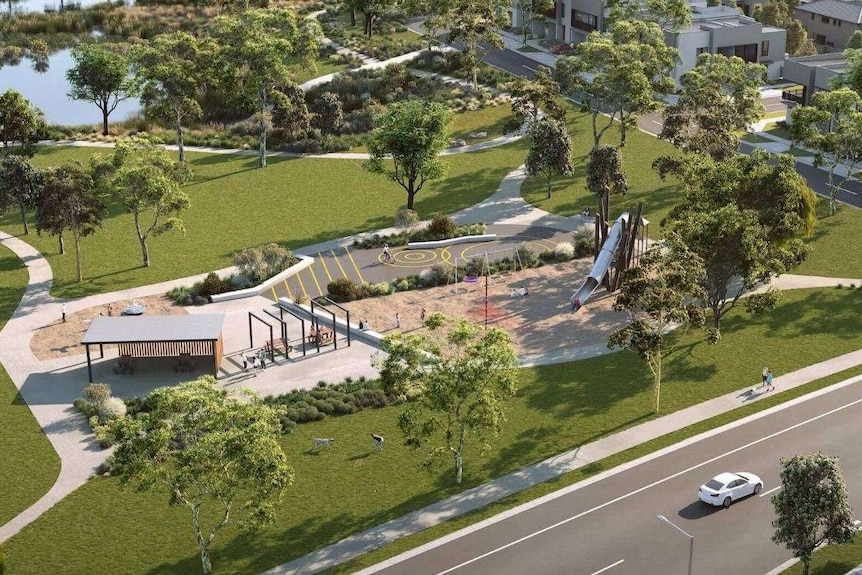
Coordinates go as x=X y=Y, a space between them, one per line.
x=600 y=268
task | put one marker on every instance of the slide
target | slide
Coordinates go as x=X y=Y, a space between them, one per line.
x=600 y=268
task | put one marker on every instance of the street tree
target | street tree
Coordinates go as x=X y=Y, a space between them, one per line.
x=832 y=127
x=68 y=202
x=617 y=74
x=532 y=11
x=21 y=124
x=718 y=100
x=100 y=75
x=550 y=152
x=20 y=185
x=467 y=376
x=216 y=454
x=141 y=177
x=745 y=217
x=812 y=507
x=540 y=93
x=606 y=177
x=855 y=41
x=669 y=15
x=798 y=41
x=436 y=15
x=657 y=294
x=258 y=51
x=406 y=143
x=173 y=71
x=475 y=24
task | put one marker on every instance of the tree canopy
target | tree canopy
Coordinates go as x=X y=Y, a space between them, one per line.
x=475 y=23
x=209 y=450
x=669 y=15
x=461 y=377
x=20 y=185
x=744 y=216
x=550 y=152
x=100 y=75
x=618 y=73
x=656 y=293
x=606 y=177
x=21 y=124
x=406 y=143
x=530 y=96
x=812 y=507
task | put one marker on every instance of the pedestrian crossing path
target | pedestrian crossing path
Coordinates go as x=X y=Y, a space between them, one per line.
x=311 y=282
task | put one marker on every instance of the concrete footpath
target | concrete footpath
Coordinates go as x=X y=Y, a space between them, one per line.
x=552 y=467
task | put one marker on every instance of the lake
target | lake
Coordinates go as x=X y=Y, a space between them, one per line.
x=48 y=92
x=43 y=5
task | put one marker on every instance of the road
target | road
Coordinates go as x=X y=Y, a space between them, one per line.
x=610 y=526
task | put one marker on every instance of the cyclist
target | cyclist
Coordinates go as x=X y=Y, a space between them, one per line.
x=387 y=255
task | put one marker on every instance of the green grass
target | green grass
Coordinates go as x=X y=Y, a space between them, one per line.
x=378 y=38
x=833 y=559
x=755 y=139
x=234 y=205
x=28 y=464
x=491 y=119
x=800 y=152
x=779 y=132
x=830 y=255
x=323 y=65
x=557 y=408
x=570 y=195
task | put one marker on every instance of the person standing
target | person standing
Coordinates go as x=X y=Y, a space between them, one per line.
x=63 y=312
x=769 y=386
x=422 y=316
x=397 y=320
x=763 y=376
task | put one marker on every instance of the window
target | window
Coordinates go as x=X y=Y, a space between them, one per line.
x=702 y=50
x=839 y=23
x=584 y=21
x=812 y=16
x=819 y=39
x=824 y=19
x=764 y=49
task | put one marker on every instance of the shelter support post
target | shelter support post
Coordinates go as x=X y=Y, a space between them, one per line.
x=89 y=364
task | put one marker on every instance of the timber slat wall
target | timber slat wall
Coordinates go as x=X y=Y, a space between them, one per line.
x=169 y=348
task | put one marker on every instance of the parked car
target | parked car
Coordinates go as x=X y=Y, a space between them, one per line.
x=725 y=488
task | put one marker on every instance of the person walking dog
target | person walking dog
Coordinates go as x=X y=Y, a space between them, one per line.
x=769 y=386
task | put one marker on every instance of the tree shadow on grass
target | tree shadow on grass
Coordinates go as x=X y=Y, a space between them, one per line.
x=820 y=312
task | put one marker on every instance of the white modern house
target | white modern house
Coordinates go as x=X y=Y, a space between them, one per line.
x=714 y=29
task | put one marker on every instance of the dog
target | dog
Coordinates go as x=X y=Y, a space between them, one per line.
x=378 y=442
x=323 y=442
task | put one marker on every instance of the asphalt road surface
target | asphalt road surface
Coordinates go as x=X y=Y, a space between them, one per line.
x=610 y=527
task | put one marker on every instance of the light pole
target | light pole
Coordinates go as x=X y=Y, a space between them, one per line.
x=689 y=535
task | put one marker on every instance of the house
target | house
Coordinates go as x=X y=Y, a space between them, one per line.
x=713 y=29
x=811 y=74
x=830 y=23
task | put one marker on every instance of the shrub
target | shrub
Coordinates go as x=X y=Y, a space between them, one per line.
x=406 y=220
x=475 y=266
x=527 y=256
x=442 y=227
x=261 y=263
x=88 y=408
x=584 y=242
x=342 y=290
x=402 y=285
x=97 y=392
x=383 y=288
x=213 y=285
x=111 y=409
x=546 y=255
x=564 y=252
x=179 y=295
x=762 y=302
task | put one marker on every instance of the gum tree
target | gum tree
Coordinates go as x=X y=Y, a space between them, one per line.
x=20 y=185
x=258 y=51
x=100 y=75
x=550 y=152
x=812 y=507
x=475 y=24
x=467 y=375
x=657 y=295
x=406 y=144
x=21 y=123
x=216 y=454
x=142 y=178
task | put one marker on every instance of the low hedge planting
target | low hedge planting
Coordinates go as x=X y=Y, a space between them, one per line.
x=441 y=227
x=101 y=408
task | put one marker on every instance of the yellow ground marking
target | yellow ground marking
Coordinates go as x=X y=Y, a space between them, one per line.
x=287 y=287
x=301 y=285
x=314 y=277
x=274 y=295
x=356 y=267
x=323 y=263
x=415 y=256
x=338 y=263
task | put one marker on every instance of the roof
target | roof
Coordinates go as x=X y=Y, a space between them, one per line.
x=844 y=10
x=834 y=61
x=154 y=328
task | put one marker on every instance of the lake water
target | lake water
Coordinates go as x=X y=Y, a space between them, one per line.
x=43 y=5
x=48 y=92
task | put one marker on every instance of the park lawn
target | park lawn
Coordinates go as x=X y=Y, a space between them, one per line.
x=377 y=39
x=570 y=195
x=832 y=559
x=831 y=254
x=235 y=205
x=348 y=488
x=492 y=119
x=28 y=464
x=323 y=65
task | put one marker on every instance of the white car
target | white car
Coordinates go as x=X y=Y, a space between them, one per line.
x=725 y=488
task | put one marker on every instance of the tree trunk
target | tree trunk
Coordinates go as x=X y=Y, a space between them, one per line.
x=62 y=244
x=24 y=219
x=549 y=184
x=833 y=193
x=203 y=546
x=369 y=24
x=806 y=563
x=78 y=266
x=104 y=108
x=180 y=142
x=475 y=76
x=524 y=30
x=142 y=239
x=459 y=466
x=353 y=17
x=411 y=193
x=657 y=385
x=262 y=137
x=623 y=132
x=596 y=136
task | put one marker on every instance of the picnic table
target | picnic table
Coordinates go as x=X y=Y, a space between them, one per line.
x=184 y=363
x=320 y=336
x=125 y=365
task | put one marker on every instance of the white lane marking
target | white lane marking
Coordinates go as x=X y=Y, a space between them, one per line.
x=528 y=68
x=650 y=486
x=840 y=189
x=765 y=493
x=611 y=566
x=656 y=123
